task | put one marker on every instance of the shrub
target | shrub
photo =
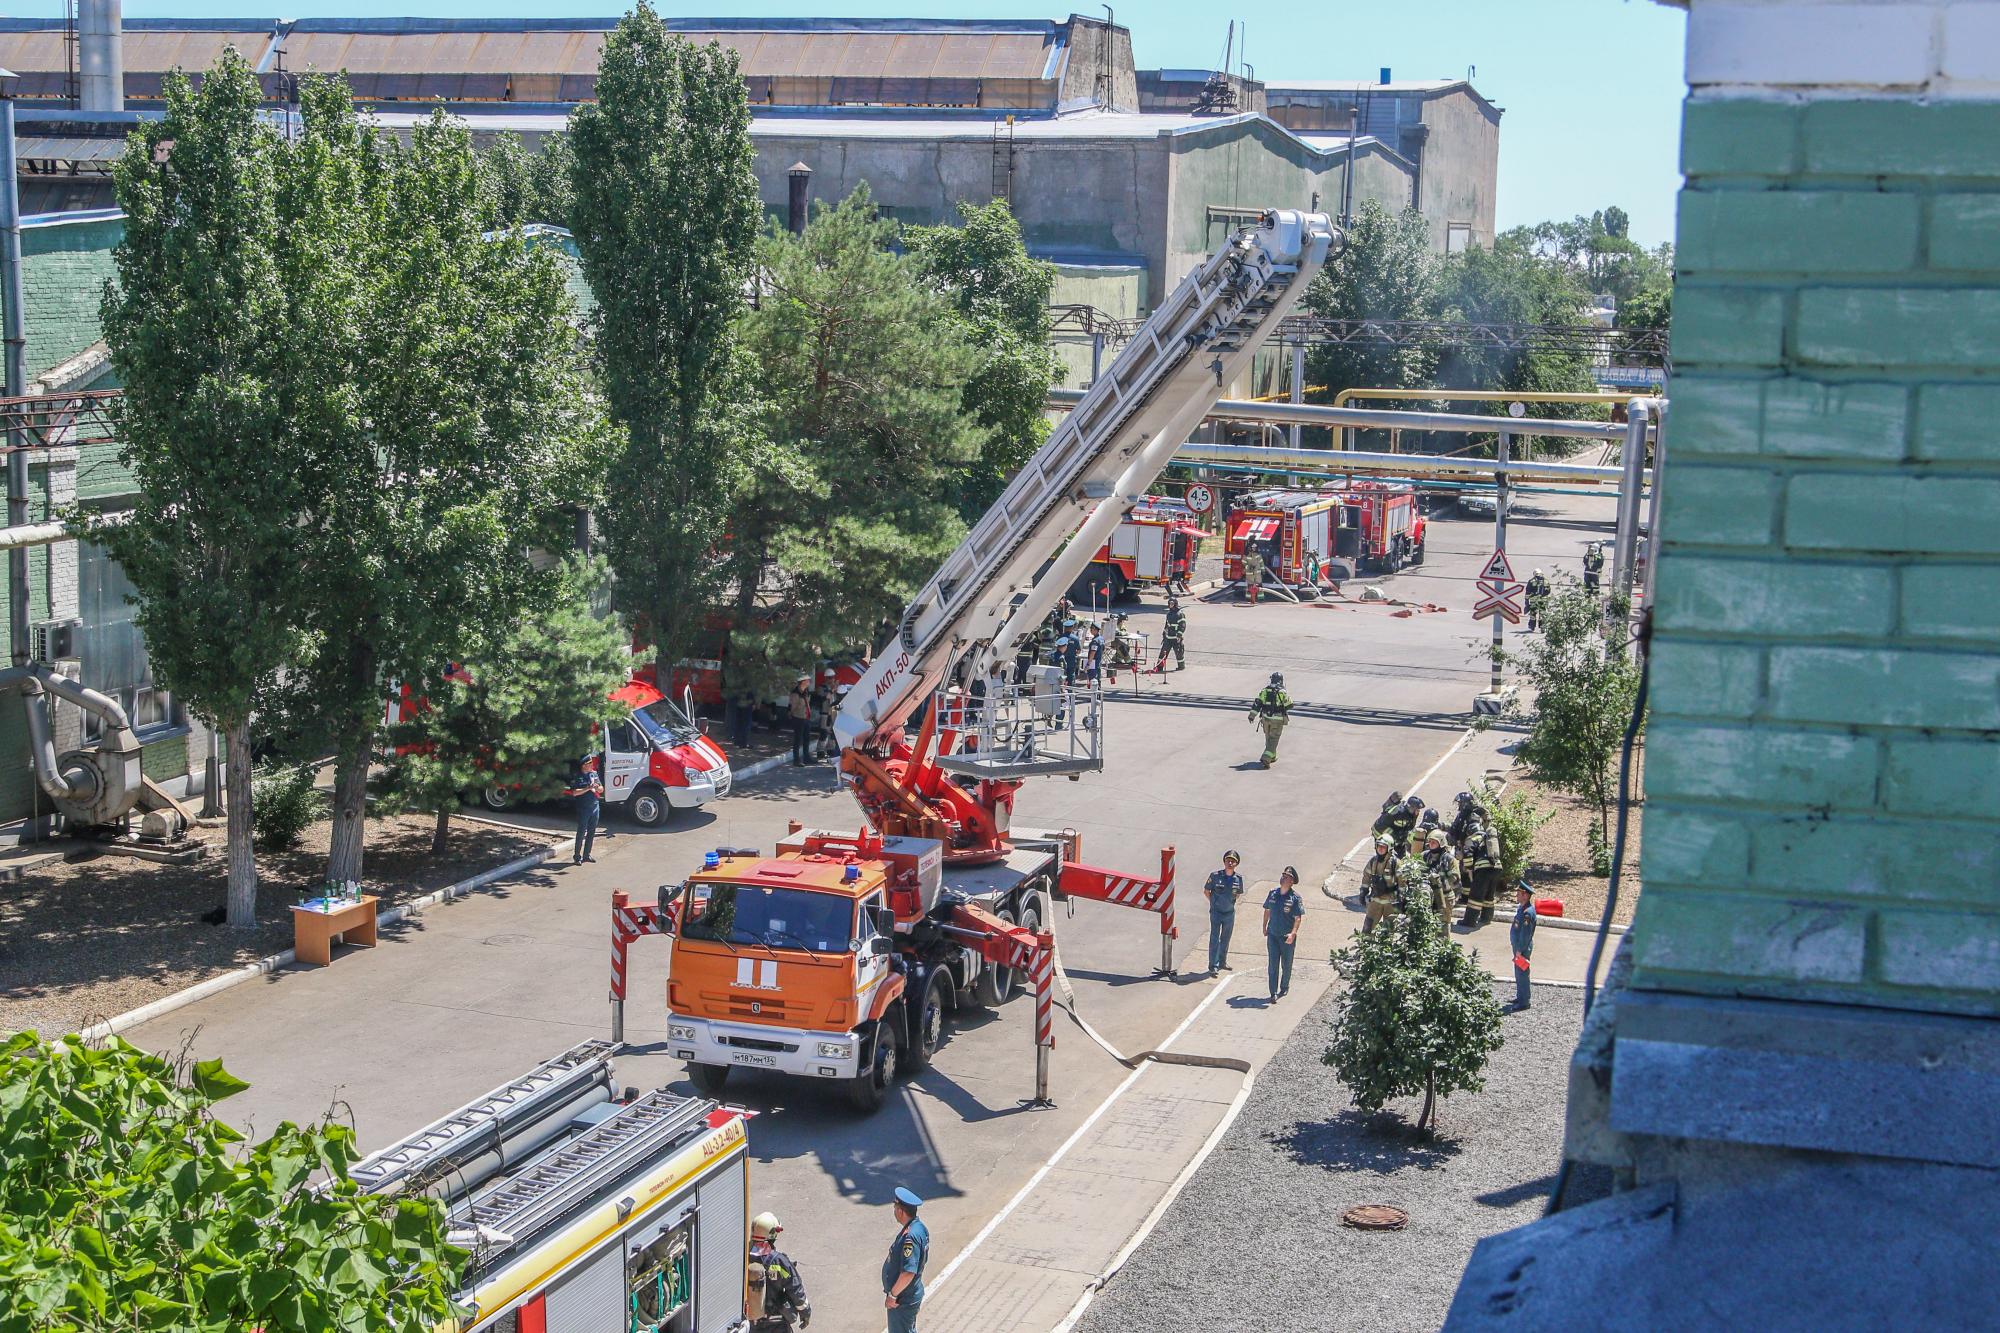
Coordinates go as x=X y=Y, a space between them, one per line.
x=1418 y=1015
x=1516 y=818
x=283 y=803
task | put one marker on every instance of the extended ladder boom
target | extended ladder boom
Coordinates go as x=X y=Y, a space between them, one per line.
x=1101 y=459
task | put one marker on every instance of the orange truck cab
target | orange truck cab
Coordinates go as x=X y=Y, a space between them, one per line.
x=837 y=958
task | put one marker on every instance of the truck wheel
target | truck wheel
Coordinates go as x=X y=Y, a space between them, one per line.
x=1118 y=587
x=926 y=1025
x=867 y=1090
x=648 y=806
x=498 y=798
x=708 y=1079
x=996 y=984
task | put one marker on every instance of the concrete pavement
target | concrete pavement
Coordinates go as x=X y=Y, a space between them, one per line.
x=477 y=990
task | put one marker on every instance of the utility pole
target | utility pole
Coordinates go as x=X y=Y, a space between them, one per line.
x=1500 y=544
x=16 y=370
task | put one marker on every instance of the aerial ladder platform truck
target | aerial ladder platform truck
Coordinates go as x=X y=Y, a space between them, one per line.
x=838 y=956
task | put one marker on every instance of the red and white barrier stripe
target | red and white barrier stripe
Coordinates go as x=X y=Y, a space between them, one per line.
x=1043 y=970
x=628 y=923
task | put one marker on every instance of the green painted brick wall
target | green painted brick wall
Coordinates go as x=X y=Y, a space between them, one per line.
x=1823 y=784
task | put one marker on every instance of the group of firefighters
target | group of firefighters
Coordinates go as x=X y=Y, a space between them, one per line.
x=1418 y=857
x=1084 y=649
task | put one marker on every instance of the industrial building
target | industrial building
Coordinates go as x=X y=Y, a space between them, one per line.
x=1118 y=179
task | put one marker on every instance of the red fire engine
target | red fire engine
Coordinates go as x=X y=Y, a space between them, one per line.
x=1153 y=546
x=1285 y=527
x=1381 y=529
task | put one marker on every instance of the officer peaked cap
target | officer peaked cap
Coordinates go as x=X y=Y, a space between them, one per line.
x=907 y=1198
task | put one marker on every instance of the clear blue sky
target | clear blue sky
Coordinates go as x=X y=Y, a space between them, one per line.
x=1591 y=88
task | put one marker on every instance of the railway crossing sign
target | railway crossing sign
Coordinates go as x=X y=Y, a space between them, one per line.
x=1497 y=569
x=1200 y=499
x=1502 y=599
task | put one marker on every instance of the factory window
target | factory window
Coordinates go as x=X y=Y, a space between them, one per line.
x=1457 y=237
x=114 y=655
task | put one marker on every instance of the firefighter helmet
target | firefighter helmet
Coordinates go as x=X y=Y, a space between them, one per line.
x=1277 y=678
x=1465 y=798
x=764 y=1226
x=1415 y=803
x=1436 y=839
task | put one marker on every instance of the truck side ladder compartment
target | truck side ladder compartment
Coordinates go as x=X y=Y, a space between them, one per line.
x=566 y=1177
x=480 y=1125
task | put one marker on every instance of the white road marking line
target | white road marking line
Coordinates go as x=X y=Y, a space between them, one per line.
x=994 y=1222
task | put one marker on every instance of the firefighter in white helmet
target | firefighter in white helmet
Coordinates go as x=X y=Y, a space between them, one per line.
x=784 y=1303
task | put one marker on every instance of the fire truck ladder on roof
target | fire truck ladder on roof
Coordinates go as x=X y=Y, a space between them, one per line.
x=481 y=1125
x=551 y=1187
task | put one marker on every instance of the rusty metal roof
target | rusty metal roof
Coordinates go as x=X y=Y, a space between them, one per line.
x=151 y=52
x=773 y=53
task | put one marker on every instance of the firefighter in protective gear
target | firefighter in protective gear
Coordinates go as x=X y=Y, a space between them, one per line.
x=1461 y=828
x=1440 y=877
x=784 y=1305
x=1173 y=639
x=1253 y=573
x=1397 y=819
x=1482 y=851
x=1378 y=882
x=1593 y=566
x=1271 y=710
x=1120 y=658
x=1538 y=599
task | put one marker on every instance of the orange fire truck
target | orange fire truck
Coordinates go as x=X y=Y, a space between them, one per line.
x=838 y=956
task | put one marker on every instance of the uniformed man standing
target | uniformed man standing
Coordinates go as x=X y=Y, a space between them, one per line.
x=784 y=1303
x=1224 y=887
x=1271 y=710
x=1593 y=565
x=903 y=1270
x=1253 y=573
x=1521 y=935
x=1378 y=883
x=1284 y=913
x=1538 y=599
x=587 y=790
x=1173 y=639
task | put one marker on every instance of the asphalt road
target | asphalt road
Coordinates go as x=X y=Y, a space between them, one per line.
x=478 y=990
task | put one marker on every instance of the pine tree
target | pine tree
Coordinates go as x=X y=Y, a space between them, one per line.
x=1418 y=1014
x=517 y=710
x=862 y=363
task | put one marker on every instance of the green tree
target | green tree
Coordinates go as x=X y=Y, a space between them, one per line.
x=863 y=363
x=527 y=186
x=1002 y=297
x=1417 y=1016
x=519 y=709
x=127 y=1205
x=203 y=335
x=1515 y=818
x=1388 y=272
x=448 y=428
x=666 y=220
x=1583 y=690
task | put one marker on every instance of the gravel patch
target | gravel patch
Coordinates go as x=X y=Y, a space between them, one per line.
x=1560 y=865
x=88 y=939
x=1255 y=1240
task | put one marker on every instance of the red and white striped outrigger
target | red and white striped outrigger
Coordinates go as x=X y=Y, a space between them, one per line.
x=1095 y=884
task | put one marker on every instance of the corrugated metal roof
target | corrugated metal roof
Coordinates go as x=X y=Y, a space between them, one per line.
x=144 y=53
x=70 y=150
x=773 y=53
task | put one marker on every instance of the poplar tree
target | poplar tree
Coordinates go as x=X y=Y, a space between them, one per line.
x=665 y=217
x=202 y=336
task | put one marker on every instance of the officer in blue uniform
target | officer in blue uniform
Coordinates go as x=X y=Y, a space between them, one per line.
x=903 y=1270
x=1224 y=887
x=1284 y=912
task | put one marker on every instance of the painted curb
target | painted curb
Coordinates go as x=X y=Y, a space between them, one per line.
x=760 y=768
x=145 y=1013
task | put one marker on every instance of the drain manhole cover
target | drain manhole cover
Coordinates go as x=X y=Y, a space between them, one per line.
x=1376 y=1217
x=503 y=941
